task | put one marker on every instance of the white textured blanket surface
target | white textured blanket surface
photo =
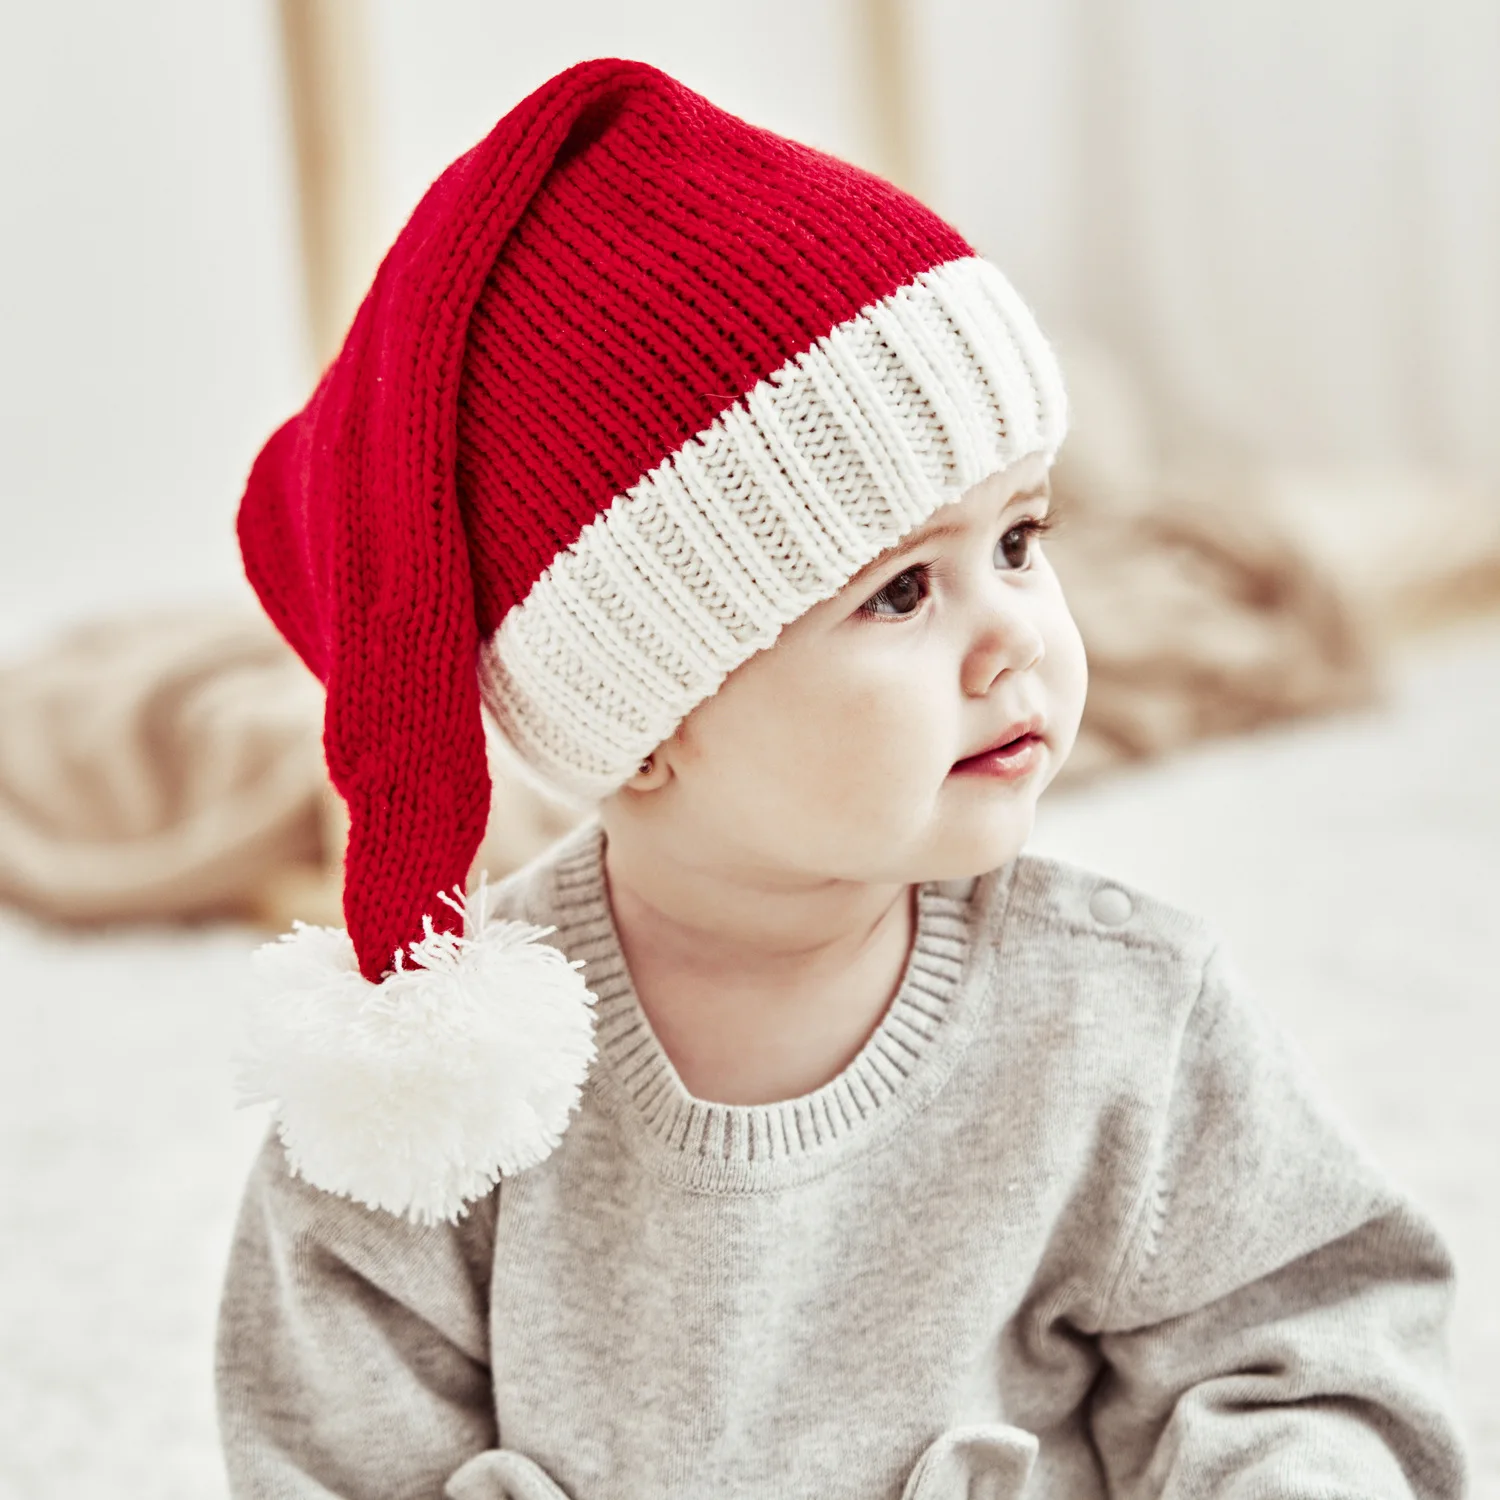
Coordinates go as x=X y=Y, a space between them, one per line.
x=1353 y=864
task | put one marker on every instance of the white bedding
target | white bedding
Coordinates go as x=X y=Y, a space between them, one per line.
x=1353 y=865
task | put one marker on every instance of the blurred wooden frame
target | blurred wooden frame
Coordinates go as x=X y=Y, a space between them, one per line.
x=326 y=54
x=889 y=88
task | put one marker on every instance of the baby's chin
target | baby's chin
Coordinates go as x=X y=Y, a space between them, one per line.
x=966 y=852
x=950 y=848
x=979 y=825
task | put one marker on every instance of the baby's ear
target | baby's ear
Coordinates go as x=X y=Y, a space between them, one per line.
x=651 y=773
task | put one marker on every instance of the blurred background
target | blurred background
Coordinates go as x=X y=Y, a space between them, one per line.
x=1266 y=240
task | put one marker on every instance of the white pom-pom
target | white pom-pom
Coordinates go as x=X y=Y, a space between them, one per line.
x=417 y=1094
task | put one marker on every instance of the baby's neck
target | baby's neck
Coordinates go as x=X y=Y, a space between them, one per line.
x=756 y=991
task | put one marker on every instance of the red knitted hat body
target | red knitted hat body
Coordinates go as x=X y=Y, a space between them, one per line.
x=675 y=257
x=616 y=279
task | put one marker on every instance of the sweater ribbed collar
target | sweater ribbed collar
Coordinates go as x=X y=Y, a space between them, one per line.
x=734 y=1147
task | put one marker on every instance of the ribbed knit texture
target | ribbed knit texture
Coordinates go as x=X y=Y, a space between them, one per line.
x=574 y=307
x=676 y=257
x=1076 y=1221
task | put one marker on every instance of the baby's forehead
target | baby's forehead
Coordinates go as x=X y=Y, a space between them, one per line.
x=1027 y=479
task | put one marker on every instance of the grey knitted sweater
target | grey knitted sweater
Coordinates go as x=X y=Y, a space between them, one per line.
x=1075 y=1223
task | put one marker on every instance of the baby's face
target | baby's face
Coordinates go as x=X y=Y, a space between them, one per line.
x=847 y=750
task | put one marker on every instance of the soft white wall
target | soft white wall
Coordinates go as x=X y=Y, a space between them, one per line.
x=997 y=138
x=446 y=70
x=148 y=298
x=1291 y=215
x=1285 y=215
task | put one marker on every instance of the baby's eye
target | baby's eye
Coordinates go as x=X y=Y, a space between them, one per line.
x=901 y=596
x=1015 y=547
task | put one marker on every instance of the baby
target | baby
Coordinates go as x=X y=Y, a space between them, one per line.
x=785 y=1131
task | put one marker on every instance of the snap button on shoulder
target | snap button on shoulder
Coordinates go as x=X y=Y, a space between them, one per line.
x=1110 y=905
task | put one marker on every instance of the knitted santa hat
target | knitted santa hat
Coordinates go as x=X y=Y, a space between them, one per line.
x=636 y=386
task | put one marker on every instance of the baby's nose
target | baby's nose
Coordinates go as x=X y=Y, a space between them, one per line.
x=1006 y=641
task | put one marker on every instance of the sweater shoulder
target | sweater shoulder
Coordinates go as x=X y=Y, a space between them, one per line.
x=1062 y=898
x=1067 y=944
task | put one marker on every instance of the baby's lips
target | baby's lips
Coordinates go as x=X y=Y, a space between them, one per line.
x=1012 y=732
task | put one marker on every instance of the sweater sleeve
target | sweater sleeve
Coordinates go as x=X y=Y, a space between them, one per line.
x=352 y=1346
x=1278 y=1325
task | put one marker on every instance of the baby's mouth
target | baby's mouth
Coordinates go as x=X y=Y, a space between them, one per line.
x=1009 y=760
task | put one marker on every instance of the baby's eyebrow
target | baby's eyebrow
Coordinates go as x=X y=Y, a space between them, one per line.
x=907 y=544
x=932 y=533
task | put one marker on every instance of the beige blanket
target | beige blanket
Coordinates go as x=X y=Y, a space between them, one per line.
x=156 y=765
x=1200 y=618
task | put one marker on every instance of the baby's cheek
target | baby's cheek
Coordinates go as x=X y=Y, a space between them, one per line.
x=880 y=744
x=1069 y=676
